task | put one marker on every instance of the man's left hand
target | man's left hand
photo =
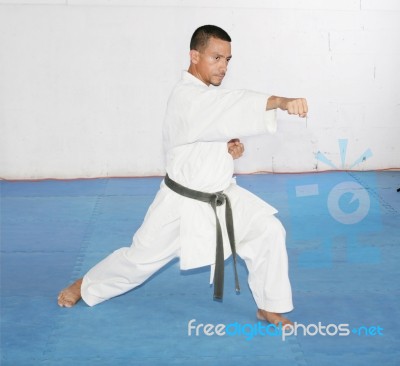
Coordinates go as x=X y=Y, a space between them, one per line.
x=296 y=106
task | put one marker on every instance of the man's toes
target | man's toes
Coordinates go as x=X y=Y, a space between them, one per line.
x=63 y=301
x=65 y=304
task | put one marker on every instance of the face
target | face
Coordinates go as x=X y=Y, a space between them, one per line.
x=211 y=63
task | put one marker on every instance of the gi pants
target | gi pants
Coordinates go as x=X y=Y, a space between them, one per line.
x=260 y=242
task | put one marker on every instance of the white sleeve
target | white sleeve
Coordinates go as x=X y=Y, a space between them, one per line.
x=225 y=114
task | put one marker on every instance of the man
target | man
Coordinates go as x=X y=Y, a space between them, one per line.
x=188 y=210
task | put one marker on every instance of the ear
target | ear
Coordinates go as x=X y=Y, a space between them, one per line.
x=194 y=56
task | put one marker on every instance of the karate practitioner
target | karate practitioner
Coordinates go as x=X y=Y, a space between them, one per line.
x=201 y=130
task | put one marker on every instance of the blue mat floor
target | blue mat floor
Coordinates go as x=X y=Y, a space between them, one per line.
x=343 y=245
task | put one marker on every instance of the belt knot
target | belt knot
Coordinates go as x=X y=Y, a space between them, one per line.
x=214 y=199
x=220 y=198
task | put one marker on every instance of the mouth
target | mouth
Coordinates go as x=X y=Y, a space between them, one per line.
x=218 y=79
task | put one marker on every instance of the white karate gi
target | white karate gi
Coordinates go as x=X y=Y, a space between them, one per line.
x=199 y=122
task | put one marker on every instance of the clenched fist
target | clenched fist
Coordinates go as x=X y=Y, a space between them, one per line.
x=235 y=148
x=296 y=106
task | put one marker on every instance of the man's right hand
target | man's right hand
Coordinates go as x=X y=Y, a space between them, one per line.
x=235 y=148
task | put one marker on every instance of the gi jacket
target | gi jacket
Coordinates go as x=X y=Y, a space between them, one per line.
x=199 y=122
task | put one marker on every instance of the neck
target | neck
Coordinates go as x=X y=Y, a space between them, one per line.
x=192 y=70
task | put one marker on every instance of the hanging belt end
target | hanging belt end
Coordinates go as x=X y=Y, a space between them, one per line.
x=217 y=297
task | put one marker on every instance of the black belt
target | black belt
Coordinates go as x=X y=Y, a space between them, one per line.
x=214 y=199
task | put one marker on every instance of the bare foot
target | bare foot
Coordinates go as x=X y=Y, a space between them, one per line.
x=70 y=295
x=273 y=318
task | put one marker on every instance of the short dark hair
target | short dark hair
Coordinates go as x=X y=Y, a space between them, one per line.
x=201 y=36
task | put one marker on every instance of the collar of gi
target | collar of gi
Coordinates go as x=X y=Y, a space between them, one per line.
x=187 y=76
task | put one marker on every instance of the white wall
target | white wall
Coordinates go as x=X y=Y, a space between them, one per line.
x=84 y=83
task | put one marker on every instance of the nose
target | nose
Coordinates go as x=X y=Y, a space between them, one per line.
x=224 y=66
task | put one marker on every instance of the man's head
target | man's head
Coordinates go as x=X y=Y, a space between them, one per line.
x=210 y=53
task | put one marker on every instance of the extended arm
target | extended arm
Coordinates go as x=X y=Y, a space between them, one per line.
x=297 y=106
